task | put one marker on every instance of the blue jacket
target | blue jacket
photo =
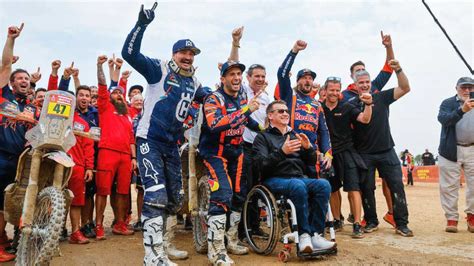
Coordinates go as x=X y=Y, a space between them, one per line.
x=449 y=114
x=169 y=92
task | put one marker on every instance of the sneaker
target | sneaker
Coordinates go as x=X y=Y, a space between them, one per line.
x=350 y=218
x=5 y=256
x=88 y=230
x=370 y=227
x=470 y=222
x=388 y=217
x=78 y=238
x=363 y=223
x=129 y=219
x=357 y=231
x=338 y=225
x=137 y=227
x=404 y=231
x=452 y=226
x=320 y=243
x=5 y=242
x=99 y=232
x=304 y=244
x=120 y=228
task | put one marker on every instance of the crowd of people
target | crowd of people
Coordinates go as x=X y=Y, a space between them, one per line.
x=307 y=144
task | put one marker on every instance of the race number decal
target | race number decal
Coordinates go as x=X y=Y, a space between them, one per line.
x=182 y=107
x=59 y=105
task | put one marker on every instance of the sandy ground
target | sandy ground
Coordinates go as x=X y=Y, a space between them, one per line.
x=431 y=245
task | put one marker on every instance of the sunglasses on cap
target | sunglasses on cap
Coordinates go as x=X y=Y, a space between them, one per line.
x=252 y=67
x=336 y=79
x=281 y=111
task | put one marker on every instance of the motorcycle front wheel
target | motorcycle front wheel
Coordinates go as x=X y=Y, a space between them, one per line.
x=39 y=247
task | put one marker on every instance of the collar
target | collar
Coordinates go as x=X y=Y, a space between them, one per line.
x=272 y=129
x=352 y=87
x=176 y=69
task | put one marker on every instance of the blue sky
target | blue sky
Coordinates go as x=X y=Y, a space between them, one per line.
x=338 y=33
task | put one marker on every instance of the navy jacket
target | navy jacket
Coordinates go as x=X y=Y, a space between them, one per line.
x=449 y=114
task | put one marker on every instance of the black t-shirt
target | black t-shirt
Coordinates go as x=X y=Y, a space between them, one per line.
x=339 y=122
x=375 y=136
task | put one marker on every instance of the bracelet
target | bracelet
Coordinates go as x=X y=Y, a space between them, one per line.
x=134 y=158
x=236 y=45
x=398 y=71
x=369 y=104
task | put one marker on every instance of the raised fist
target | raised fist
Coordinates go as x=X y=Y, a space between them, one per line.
x=14 y=31
x=299 y=45
x=56 y=64
x=386 y=40
x=394 y=64
x=75 y=72
x=146 y=16
x=101 y=59
x=237 y=35
x=126 y=74
x=68 y=71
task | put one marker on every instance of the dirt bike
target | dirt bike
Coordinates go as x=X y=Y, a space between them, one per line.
x=38 y=199
x=198 y=188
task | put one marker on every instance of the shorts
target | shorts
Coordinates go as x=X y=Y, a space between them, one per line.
x=113 y=166
x=8 y=165
x=350 y=168
x=77 y=184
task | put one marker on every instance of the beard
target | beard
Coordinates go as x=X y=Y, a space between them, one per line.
x=120 y=107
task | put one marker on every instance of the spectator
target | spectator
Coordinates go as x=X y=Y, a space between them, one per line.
x=39 y=97
x=428 y=158
x=456 y=152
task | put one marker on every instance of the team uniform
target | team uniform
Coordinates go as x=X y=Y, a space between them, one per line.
x=12 y=138
x=375 y=144
x=306 y=113
x=377 y=84
x=348 y=164
x=83 y=156
x=114 y=158
x=220 y=145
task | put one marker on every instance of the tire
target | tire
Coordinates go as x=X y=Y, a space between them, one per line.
x=200 y=221
x=39 y=247
x=260 y=201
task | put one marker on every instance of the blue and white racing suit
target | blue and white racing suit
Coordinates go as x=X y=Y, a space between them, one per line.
x=169 y=94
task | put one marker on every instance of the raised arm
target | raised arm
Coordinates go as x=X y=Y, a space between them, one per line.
x=149 y=68
x=448 y=116
x=384 y=75
x=103 y=94
x=284 y=90
x=53 y=78
x=75 y=77
x=35 y=77
x=403 y=85
x=7 y=55
x=66 y=78
x=236 y=36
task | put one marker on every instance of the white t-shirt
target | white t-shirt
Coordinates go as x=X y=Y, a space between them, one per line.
x=259 y=115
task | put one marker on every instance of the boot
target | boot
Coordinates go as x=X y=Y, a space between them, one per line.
x=233 y=245
x=153 y=242
x=170 y=249
x=216 y=252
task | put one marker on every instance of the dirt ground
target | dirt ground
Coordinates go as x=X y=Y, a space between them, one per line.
x=431 y=245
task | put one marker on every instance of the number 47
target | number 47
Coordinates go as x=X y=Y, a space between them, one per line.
x=59 y=109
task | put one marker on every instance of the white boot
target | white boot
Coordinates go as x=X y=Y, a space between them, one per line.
x=153 y=242
x=233 y=245
x=321 y=243
x=170 y=249
x=216 y=251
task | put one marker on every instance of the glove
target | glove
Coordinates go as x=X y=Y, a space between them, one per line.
x=146 y=16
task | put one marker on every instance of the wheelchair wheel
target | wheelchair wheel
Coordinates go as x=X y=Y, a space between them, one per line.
x=200 y=221
x=260 y=220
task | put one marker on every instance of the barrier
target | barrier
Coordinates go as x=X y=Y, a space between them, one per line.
x=429 y=174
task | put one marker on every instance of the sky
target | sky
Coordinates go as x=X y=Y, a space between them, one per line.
x=338 y=33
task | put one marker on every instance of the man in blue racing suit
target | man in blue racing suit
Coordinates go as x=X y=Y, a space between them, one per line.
x=171 y=89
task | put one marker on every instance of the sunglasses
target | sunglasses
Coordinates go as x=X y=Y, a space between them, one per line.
x=256 y=66
x=337 y=79
x=281 y=111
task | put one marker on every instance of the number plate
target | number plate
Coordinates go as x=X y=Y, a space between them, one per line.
x=59 y=105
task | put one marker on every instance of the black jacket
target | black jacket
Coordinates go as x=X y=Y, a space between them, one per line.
x=449 y=114
x=270 y=160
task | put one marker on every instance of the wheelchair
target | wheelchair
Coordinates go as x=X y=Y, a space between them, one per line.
x=269 y=220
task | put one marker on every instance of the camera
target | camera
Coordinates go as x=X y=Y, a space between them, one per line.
x=471 y=95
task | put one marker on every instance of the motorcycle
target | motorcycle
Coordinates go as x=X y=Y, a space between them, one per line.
x=38 y=200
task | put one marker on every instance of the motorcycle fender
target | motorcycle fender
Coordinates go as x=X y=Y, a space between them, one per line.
x=60 y=157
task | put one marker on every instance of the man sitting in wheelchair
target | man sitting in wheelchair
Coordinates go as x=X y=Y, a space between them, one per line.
x=282 y=157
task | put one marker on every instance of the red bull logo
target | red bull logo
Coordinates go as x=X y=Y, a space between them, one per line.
x=307 y=108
